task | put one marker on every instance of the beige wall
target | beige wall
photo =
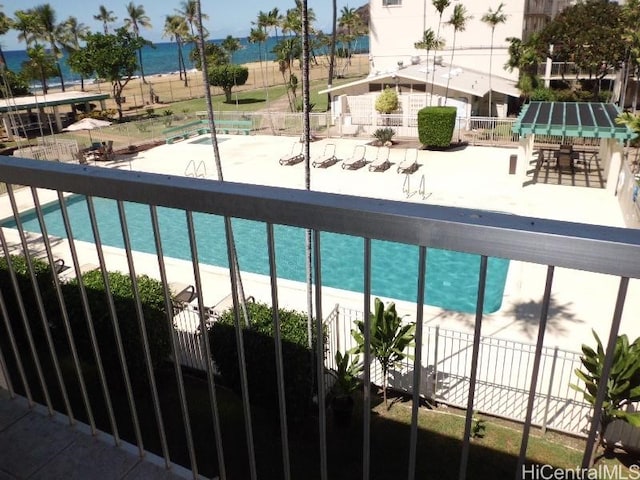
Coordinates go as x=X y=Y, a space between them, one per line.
x=395 y=29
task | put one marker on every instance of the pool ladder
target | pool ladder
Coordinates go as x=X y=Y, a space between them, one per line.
x=197 y=172
x=406 y=186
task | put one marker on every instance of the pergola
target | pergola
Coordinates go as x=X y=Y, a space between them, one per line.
x=571 y=120
x=9 y=106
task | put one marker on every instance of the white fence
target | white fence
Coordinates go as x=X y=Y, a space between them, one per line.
x=503 y=377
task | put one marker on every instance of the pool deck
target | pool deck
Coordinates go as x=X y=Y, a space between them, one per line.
x=472 y=177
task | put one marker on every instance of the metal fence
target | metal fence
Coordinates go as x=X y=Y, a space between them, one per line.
x=502 y=378
x=549 y=243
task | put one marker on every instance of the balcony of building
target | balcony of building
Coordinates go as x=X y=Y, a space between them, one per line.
x=579 y=276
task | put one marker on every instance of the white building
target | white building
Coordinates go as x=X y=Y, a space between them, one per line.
x=459 y=77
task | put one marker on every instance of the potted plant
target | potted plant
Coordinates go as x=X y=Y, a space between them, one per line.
x=348 y=369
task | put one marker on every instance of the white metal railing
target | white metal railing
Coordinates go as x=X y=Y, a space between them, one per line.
x=549 y=243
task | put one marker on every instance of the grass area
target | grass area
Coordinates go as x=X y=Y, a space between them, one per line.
x=439 y=435
x=252 y=100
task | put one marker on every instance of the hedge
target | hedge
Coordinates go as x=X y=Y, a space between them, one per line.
x=260 y=357
x=151 y=296
x=436 y=125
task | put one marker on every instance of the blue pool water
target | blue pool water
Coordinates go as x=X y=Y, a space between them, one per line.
x=452 y=277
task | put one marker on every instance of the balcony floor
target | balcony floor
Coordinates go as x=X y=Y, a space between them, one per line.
x=36 y=446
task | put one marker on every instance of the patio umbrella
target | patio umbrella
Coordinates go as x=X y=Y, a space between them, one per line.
x=88 y=124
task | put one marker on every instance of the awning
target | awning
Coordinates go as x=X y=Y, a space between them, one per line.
x=572 y=119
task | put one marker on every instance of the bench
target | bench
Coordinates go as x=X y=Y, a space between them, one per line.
x=182 y=132
x=226 y=126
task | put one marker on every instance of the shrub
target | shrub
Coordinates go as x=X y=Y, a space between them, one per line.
x=435 y=126
x=151 y=297
x=155 y=320
x=44 y=279
x=384 y=135
x=228 y=76
x=387 y=101
x=260 y=357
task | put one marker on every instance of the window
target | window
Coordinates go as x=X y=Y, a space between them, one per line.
x=387 y=3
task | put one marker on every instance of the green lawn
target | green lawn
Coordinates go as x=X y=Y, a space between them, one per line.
x=439 y=435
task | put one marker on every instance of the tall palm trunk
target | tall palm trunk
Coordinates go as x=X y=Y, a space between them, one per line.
x=433 y=73
x=306 y=134
x=216 y=154
x=453 y=50
x=142 y=68
x=490 y=76
x=332 y=55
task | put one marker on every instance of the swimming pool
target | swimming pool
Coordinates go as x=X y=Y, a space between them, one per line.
x=452 y=277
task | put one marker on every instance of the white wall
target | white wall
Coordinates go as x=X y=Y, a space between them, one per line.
x=395 y=29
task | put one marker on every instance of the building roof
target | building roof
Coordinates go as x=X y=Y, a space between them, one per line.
x=462 y=80
x=49 y=100
x=572 y=119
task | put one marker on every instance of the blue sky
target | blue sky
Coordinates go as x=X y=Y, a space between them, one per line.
x=225 y=18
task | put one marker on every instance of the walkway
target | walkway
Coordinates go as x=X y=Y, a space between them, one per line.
x=36 y=446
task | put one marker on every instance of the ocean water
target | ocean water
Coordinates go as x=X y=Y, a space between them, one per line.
x=162 y=58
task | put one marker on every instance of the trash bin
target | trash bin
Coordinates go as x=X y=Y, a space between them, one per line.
x=513 y=160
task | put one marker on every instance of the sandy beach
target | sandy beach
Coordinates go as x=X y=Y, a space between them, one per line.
x=170 y=88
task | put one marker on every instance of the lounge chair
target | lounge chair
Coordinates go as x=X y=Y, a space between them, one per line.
x=327 y=158
x=295 y=156
x=410 y=162
x=357 y=159
x=381 y=163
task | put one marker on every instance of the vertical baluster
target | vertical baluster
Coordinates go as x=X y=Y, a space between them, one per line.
x=89 y=319
x=16 y=354
x=544 y=313
x=242 y=365
x=40 y=304
x=482 y=281
x=207 y=347
x=366 y=404
x=417 y=363
x=63 y=311
x=278 y=346
x=322 y=413
x=143 y=333
x=184 y=409
x=114 y=323
x=25 y=321
x=606 y=370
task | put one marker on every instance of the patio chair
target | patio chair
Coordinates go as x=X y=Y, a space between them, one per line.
x=381 y=163
x=410 y=162
x=327 y=158
x=295 y=156
x=357 y=159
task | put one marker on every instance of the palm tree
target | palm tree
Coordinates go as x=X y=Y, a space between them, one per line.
x=429 y=42
x=458 y=21
x=5 y=25
x=25 y=23
x=440 y=6
x=106 y=17
x=493 y=19
x=349 y=20
x=175 y=27
x=231 y=45
x=137 y=19
x=189 y=12
x=273 y=20
x=50 y=31
x=73 y=33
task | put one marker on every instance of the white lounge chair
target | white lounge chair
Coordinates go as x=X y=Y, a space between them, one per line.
x=357 y=159
x=381 y=163
x=410 y=162
x=295 y=156
x=327 y=158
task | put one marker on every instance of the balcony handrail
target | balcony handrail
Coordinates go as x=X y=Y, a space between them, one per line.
x=588 y=247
